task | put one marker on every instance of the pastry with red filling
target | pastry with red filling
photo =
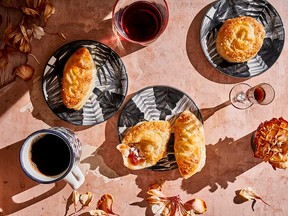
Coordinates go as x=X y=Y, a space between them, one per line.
x=145 y=144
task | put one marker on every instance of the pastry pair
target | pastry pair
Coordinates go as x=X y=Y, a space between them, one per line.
x=145 y=144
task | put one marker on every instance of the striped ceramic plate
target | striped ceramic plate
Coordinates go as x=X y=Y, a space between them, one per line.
x=262 y=11
x=157 y=103
x=108 y=95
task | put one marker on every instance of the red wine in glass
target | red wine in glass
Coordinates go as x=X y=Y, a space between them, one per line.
x=141 y=21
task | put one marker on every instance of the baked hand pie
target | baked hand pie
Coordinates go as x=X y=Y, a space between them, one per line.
x=239 y=39
x=145 y=144
x=189 y=144
x=78 y=79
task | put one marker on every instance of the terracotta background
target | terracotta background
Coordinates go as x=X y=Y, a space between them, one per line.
x=175 y=59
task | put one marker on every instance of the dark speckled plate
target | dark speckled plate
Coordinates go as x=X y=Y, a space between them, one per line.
x=152 y=104
x=263 y=12
x=108 y=95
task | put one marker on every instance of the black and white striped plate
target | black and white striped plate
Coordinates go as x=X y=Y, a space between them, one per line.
x=156 y=103
x=263 y=12
x=108 y=95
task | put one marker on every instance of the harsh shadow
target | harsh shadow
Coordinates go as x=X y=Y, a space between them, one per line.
x=208 y=112
x=197 y=57
x=14 y=183
x=225 y=160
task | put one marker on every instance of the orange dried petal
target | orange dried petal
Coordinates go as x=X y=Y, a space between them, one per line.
x=105 y=203
x=30 y=12
x=25 y=72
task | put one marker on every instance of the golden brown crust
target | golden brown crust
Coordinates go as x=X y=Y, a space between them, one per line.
x=271 y=142
x=239 y=39
x=78 y=79
x=148 y=140
x=189 y=144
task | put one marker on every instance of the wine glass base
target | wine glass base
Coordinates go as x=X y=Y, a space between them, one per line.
x=238 y=96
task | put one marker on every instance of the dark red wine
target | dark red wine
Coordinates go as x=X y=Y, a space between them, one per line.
x=259 y=94
x=50 y=154
x=141 y=21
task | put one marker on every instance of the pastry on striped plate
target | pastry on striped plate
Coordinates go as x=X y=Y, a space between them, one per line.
x=189 y=144
x=78 y=79
x=145 y=144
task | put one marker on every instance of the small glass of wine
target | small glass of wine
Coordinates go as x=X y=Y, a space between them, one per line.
x=243 y=96
x=140 y=21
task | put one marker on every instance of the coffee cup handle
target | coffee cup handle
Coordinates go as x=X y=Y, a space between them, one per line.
x=75 y=178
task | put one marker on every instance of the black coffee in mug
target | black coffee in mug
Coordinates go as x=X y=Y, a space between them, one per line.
x=50 y=155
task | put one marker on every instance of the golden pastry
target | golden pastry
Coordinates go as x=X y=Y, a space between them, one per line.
x=189 y=144
x=271 y=142
x=239 y=39
x=78 y=79
x=145 y=144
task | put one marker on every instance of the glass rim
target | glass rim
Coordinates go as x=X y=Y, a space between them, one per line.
x=162 y=29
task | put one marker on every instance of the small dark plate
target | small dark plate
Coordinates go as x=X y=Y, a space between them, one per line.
x=108 y=95
x=157 y=103
x=263 y=12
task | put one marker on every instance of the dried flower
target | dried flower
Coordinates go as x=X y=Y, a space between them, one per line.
x=250 y=193
x=86 y=199
x=24 y=71
x=271 y=142
x=170 y=206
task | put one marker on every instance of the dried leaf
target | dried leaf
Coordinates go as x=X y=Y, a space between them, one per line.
x=30 y=12
x=25 y=46
x=24 y=32
x=25 y=72
x=105 y=204
x=37 y=32
x=98 y=213
x=250 y=193
x=75 y=199
x=48 y=11
x=198 y=206
x=3 y=58
x=86 y=199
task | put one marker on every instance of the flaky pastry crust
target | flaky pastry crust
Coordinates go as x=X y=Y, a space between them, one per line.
x=78 y=79
x=145 y=144
x=239 y=39
x=189 y=144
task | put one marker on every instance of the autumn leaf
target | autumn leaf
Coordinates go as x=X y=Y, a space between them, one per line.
x=30 y=12
x=250 y=193
x=25 y=72
x=48 y=11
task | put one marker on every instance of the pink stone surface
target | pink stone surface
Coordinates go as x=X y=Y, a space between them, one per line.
x=175 y=59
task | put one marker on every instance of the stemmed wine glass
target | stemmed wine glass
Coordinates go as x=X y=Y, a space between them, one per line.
x=243 y=96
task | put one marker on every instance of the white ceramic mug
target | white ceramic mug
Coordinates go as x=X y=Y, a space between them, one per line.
x=49 y=155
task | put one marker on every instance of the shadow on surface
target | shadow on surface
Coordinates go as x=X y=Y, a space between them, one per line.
x=197 y=57
x=225 y=160
x=14 y=183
